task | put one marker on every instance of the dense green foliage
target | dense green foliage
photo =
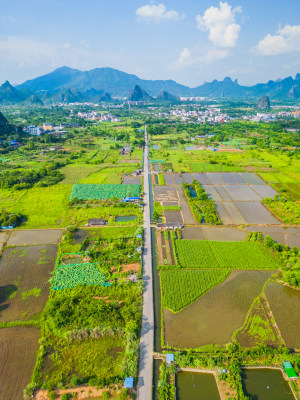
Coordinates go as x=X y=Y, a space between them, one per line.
x=211 y=254
x=180 y=288
x=21 y=178
x=101 y=192
x=69 y=276
x=285 y=207
x=203 y=208
x=7 y=219
x=165 y=388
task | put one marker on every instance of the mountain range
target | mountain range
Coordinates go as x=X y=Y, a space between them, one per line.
x=70 y=85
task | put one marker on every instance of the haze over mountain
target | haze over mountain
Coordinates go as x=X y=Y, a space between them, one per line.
x=119 y=83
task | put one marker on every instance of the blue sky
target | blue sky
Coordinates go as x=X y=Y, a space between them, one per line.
x=189 y=41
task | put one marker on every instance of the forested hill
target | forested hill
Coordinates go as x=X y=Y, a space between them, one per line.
x=120 y=83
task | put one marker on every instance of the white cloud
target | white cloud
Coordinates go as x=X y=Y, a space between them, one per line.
x=186 y=59
x=157 y=13
x=47 y=55
x=286 y=40
x=216 y=54
x=220 y=23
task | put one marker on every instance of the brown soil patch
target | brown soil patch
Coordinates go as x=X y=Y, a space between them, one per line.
x=82 y=393
x=225 y=391
x=126 y=268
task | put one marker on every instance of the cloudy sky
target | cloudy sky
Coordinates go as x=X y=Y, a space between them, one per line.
x=190 y=41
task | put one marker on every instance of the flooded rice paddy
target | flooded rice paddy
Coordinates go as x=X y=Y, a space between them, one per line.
x=196 y=386
x=34 y=237
x=214 y=233
x=266 y=384
x=24 y=276
x=237 y=196
x=226 y=306
x=285 y=305
x=18 y=347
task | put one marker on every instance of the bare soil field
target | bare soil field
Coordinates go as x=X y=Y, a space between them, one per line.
x=24 y=276
x=165 y=193
x=226 y=306
x=34 y=237
x=173 y=216
x=18 y=347
x=131 y=180
x=169 y=180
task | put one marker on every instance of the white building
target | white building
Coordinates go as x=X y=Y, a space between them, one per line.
x=33 y=130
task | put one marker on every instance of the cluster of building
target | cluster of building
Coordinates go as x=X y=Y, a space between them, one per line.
x=270 y=117
x=94 y=116
x=212 y=115
x=47 y=128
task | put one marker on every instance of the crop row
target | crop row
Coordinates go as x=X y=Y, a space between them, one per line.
x=69 y=276
x=182 y=287
x=103 y=192
x=211 y=254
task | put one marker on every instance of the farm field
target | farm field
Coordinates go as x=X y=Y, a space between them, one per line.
x=212 y=254
x=24 y=274
x=34 y=237
x=259 y=329
x=101 y=358
x=237 y=196
x=180 y=288
x=284 y=235
x=102 y=192
x=285 y=306
x=225 y=305
x=18 y=347
x=55 y=200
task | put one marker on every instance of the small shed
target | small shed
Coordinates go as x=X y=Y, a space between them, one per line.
x=128 y=384
x=170 y=358
x=96 y=222
x=289 y=370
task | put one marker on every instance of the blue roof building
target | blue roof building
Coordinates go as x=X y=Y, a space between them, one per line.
x=170 y=358
x=128 y=384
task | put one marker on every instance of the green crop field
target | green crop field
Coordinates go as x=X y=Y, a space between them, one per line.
x=101 y=192
x=211 y=254
x=69 y=276
x=182 y=287
x=195 y=254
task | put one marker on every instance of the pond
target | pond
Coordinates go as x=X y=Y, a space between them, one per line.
x=193 y=192
x=125 y=218
x=266 y=384
x=196 y=386
x=155 y=146
x=156 y=167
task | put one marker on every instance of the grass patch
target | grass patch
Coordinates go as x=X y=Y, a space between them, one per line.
x=36 y=292
x=161 y=179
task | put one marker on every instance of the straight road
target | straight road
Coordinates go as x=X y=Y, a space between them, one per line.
x=144 y=389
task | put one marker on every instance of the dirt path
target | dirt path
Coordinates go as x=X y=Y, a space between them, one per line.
x=159 y=248
x=82 y=392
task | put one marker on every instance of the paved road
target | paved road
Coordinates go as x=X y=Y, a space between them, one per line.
x=144 y=389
